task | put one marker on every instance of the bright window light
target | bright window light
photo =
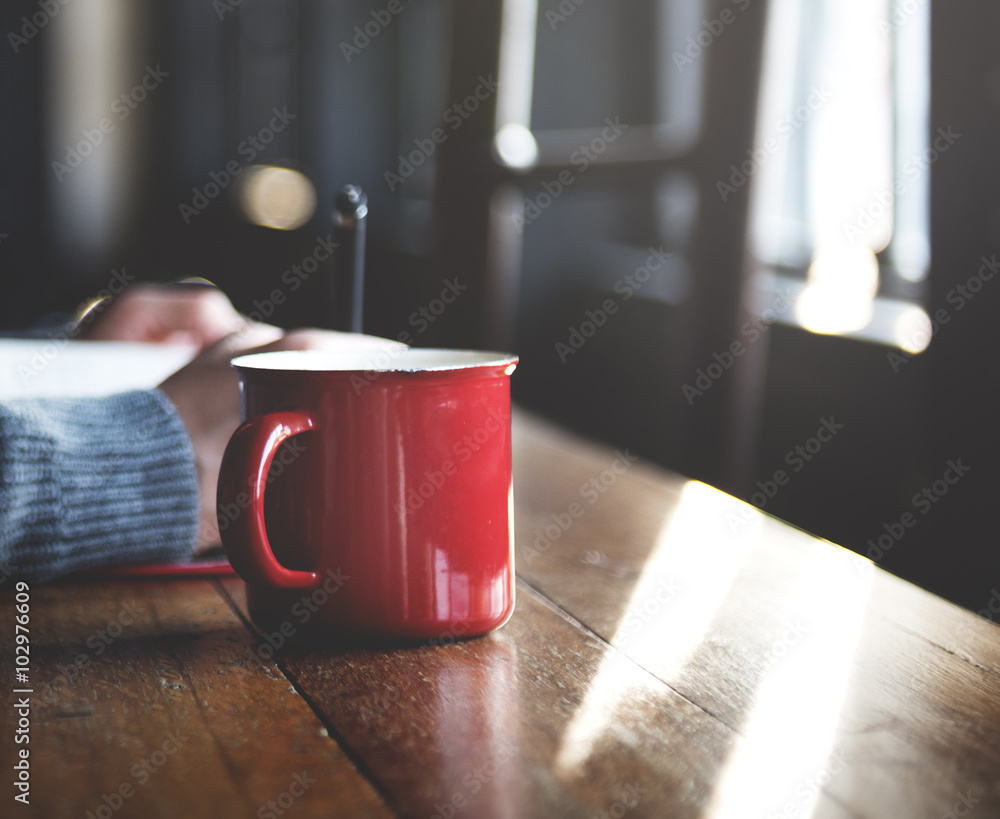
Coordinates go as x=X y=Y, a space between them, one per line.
x=843 y=198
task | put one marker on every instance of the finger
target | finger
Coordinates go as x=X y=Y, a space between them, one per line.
x=250 y=336
x=331 y=340
x=200 y=315
x=254 y=337
x=165 y=314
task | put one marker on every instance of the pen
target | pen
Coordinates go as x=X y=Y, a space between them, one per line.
x=350 y=211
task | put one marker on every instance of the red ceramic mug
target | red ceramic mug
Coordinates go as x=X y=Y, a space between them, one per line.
x=368 y=494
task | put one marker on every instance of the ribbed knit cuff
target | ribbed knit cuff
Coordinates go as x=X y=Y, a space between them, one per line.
x=95 y=481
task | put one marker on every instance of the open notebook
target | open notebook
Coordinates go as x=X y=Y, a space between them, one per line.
x=43 y=368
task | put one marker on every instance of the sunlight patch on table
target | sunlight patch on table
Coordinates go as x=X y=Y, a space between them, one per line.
x=786 y=753
x=682 y=587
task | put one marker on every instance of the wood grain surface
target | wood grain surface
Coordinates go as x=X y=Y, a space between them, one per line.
x=176 y=709
x=673 y=653
x=827 y=667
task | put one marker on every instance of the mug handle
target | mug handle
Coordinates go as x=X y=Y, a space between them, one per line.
x=250 y=452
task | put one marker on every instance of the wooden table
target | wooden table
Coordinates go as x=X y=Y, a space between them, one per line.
x=674 y=653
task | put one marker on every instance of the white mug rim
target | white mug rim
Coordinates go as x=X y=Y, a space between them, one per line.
x=387 y=359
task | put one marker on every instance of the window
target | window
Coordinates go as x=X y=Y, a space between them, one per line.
x=842 y=162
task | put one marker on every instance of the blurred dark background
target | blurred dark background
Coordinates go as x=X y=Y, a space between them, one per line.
x=704 y=226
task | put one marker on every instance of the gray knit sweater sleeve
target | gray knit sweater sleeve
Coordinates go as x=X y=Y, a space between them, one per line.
x=93 y=481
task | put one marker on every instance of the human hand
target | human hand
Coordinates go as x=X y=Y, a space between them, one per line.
x=206 y=395
x=166 y=314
